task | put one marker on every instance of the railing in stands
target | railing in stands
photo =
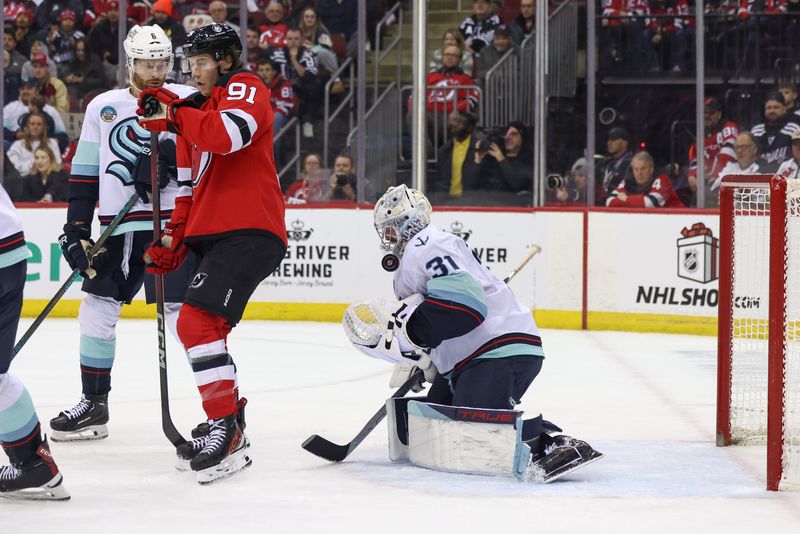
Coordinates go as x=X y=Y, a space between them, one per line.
x=347 y=102
x=295 y=159
x=397 y=44
x=503 y=91
x=383 y=141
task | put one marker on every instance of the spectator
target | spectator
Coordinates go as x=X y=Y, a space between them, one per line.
x=789 y=92
x=273 y=32
x=46 y=182
x=747 y=162
x=15 y=115
x=85 y=73
x=621 y=35
x=219 y=14
x=162 y=16
x=327 y=61
x=665 y=33
x=645 y=190
x=524 y=23
x=62 y=41
x=317 y=38
x=719 y=142
x=21 y=151
x=343 y=180
x=502 y=167
x=339 y=16
x=51 y=88
x=17 y=60
x=281 y=97
x=614 y=167
x=299 y=192
x=492 y=54
x=791 y=167
x=38 y=47
x=24 y=35
x=49 y=11
x=478 y=28
x=774 y=136
x=12 y=9
x=454 y=158
x=11 y=80
x=255 y=53
x=51 y=118
x=452 y=37
x=570 y=189
x=441 y=97
x=104 y=37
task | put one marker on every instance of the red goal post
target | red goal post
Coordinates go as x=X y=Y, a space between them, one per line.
x=758 y=373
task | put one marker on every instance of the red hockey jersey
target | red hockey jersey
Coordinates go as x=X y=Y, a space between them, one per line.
x=226 y=169
x=659 y=195
x=281 y=96
x=451 y=90
x=718 y=150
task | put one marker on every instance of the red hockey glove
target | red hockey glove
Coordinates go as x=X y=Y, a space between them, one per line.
x=157 y=108
x=168 y=252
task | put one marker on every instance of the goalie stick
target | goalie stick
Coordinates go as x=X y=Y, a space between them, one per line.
x=167 y=425
x=74 y=275
x=333 y=452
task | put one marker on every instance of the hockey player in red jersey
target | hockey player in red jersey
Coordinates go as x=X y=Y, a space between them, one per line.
x=230 y=211
x=645 y=190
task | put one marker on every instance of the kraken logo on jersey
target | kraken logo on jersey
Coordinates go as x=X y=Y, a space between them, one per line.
x=126 y=141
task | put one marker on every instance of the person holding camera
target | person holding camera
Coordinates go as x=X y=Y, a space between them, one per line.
x=500 y=162
x=343 y=180
x=569 y=189
x=645 y=190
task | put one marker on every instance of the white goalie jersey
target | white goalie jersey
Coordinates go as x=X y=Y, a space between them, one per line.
x=443 y=268
x=110 y=142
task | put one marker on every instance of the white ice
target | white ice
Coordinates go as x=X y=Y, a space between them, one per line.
x=646 y=401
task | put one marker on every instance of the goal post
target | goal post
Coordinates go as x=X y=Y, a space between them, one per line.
x=758 y=375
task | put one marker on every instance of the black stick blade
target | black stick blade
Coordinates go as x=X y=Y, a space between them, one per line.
x=323 y=448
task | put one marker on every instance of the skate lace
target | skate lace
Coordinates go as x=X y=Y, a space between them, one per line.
x=9 y=472
x=216 y=437
x=199 y=443
x=81 y=408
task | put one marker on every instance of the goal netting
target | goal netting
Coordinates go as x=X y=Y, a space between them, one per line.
x=758 y=394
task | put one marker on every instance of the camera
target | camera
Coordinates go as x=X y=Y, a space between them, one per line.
x=341 y=180
x=487 y=136
x=556 y=181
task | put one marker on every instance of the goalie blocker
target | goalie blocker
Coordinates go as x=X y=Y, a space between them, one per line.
x=480 y=441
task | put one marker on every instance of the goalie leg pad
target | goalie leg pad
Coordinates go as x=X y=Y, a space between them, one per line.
x=467 y=440
x=397 y=420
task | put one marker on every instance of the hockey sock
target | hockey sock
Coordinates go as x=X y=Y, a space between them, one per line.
x=97 y=358
x=20 y=434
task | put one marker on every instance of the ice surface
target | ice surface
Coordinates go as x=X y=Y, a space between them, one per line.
x=646 y=401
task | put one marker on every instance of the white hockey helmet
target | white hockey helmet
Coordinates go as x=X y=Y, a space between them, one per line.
x=399 y=214
x=147 y=42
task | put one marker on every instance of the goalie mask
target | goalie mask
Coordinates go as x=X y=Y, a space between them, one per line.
x=151 y=46
x=399 y=215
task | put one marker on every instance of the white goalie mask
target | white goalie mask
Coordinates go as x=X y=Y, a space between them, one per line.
x=147 y=42
x=399 y=215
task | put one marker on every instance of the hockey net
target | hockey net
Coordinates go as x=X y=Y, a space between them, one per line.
x=758 y=389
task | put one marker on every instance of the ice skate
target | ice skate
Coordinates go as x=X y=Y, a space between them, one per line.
x=38 y=481
x=203 y=428
x=224 y=453
x=191 y=448
x=556 y=456
x=86 y=421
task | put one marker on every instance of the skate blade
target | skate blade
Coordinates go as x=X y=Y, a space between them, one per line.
x=89 y=433
x=572 y=468
x=52 y=491
x=231 y=465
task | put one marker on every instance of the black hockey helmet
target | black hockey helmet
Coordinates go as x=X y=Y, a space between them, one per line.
x=214 y=39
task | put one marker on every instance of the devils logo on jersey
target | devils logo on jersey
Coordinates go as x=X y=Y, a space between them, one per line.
x=126 y=142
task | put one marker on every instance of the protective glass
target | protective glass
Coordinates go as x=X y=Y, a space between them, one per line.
x=198 y=63
x=148 y=68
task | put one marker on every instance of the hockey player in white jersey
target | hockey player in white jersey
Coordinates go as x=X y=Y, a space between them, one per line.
x=32 y=474
x=111 y=163
x=475 y=341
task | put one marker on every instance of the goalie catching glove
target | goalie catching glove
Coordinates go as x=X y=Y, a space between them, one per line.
x=380 y=330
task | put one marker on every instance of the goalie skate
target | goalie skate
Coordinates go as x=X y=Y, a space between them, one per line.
x=86 y=421
x=40 y=481
x=561 y=456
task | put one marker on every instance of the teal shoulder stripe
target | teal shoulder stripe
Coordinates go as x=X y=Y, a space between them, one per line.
x=459 y=287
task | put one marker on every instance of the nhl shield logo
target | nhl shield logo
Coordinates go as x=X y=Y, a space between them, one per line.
x=457 y=228
x=690 y=260
x=698 y=254
x=298 y=231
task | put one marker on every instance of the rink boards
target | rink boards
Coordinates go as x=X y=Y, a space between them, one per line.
x=612 y=270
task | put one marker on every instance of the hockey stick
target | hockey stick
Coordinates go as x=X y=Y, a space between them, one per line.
x=533 y=251
x=328 y=450
x=74 y=275
x=166 y=419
